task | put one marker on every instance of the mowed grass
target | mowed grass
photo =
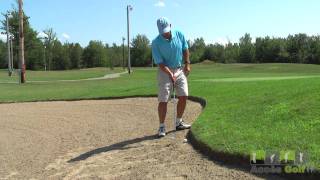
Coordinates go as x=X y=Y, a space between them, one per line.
x=240 y=116
x=58 y=75
x=139 y=83
x=265 y=115
x=218 y=71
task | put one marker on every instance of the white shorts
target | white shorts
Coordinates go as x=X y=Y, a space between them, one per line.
x=165 y=84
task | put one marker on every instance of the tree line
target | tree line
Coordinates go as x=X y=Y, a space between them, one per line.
x=49 y=53
x=298 y=48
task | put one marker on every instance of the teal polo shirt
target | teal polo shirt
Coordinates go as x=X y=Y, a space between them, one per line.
x=169 y=52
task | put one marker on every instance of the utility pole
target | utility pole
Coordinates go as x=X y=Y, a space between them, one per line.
x=151 y=62
x=123 y=39
x=44 y=58
x=21 y=45
x=8 y=45
x=129 y=8
x=11 y=52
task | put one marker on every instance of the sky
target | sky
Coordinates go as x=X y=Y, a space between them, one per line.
x=217 y=21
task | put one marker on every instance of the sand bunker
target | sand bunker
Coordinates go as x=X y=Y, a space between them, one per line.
x=99 y=139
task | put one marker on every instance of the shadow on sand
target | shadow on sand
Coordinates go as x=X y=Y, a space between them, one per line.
x=118 y=146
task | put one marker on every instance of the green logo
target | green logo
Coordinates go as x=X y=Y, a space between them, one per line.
x=287 y=156
x=258 y=156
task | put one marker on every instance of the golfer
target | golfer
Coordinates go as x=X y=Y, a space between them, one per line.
x=170 y=52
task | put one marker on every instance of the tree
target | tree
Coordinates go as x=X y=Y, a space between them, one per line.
x=209 y=53
x=214 y=53
x=267 y=49
x=218 y=53
x=197 y=49
x=115 y=56
x=3 y=55
x=273 y=50
x=297 y=47
x=314 y=50
x=260 y=48
x=75 y=51
x=94 y=55
x=231 y=53
x=50 y=38
x=246 y=54
x=283 y=54
x=32 y=45
x=60 y=57
x=141 y=51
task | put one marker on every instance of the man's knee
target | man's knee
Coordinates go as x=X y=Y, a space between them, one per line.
x=183 y=98
x=163 y=104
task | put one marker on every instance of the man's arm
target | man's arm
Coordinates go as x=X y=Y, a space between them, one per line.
x=168 y=71
x=186 y=58
x=159 y=61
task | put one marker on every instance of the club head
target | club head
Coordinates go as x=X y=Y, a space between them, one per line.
x=174 y=100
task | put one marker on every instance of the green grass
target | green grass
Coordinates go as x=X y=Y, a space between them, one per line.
x=141 y=82
x=241 y=116
x=58 y=75
x=217 y=71
x=265 y=115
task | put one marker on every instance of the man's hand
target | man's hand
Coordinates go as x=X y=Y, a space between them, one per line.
x=187 y=69
x=173 y=77
x=168 y=71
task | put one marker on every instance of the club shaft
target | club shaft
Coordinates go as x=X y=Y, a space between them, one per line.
x=174 y=107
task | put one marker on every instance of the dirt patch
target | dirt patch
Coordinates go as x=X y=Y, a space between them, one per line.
x=107 y=139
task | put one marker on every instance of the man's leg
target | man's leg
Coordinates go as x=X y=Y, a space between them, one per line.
x=182 y=92
x=180 y=124
x=164 y=84
x=162 y=111
x=181 y=106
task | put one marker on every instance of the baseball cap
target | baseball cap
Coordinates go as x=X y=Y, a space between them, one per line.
x=163 y=25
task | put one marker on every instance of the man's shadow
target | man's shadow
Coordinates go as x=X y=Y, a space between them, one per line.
x=118 y=146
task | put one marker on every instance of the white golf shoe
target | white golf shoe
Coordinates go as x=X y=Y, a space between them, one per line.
x=182 y=126
x=162 y=131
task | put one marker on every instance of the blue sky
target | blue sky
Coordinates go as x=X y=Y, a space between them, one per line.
x=214 y=20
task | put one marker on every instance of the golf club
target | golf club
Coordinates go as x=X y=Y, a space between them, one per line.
x=174 y=109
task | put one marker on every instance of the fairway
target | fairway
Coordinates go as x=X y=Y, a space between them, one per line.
x=249 y=106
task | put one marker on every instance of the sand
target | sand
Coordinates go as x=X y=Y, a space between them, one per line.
x=99 y=139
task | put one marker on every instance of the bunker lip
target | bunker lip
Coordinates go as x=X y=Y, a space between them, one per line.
x=199 y=100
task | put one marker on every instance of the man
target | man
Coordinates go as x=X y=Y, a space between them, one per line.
x=170 y=52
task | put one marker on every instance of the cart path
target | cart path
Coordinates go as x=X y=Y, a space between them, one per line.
x=107 y=76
